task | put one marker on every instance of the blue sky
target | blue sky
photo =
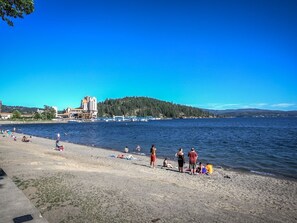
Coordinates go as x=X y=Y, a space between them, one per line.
x=209 y=54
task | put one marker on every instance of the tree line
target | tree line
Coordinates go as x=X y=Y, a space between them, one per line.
x=144 y=106
x=18 y=112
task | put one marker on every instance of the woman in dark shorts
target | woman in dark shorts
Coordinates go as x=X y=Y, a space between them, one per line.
x=180 y=160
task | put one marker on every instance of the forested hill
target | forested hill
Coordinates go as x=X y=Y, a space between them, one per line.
x=253 y=112
x=143 y=106
x=22 y=109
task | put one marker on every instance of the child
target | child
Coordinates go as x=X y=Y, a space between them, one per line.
x=209 y=168
x=201 y=169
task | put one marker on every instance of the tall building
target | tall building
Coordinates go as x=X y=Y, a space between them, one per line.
x=89 y=105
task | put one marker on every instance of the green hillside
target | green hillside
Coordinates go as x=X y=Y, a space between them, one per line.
x=22 y=109
x=143 y=106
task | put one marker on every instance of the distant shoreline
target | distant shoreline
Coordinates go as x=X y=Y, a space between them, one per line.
x=10 y=122
x=6 y=122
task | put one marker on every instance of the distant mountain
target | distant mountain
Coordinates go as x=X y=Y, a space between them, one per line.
x=253 y=112
x=22 y=109
x=144 y=106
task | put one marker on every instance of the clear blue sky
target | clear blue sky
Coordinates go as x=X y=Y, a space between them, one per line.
x=210 y=54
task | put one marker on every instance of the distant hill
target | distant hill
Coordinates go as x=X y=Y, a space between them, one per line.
x=22 y=109
x=144 y=106
x=252 y=112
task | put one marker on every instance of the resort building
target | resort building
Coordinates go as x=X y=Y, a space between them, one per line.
x=89 y=106
x=72 y=113
x=87 y=110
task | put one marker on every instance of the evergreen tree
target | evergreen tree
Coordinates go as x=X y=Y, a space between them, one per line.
x=16 y=114
x=15 y=9
x=143 y=106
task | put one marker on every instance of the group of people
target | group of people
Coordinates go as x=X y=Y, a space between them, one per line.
x=137 y=149
x=9 y=133
x=5 y=132
x=193 y=157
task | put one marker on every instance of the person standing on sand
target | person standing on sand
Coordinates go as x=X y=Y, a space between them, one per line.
x=180 y=159
x=192 y=160
x=153 y=156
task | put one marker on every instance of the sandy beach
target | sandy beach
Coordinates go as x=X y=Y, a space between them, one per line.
x=87 y=184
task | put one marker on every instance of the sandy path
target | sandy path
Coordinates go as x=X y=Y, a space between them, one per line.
x=84 y=184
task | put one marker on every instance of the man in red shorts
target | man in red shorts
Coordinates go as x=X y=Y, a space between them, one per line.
x=153 y=156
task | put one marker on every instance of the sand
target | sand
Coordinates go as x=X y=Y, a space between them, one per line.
x=85 y=184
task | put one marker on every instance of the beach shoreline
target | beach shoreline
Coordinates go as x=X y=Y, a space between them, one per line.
x=242 y=150
x=86 y=184
x=223 y=167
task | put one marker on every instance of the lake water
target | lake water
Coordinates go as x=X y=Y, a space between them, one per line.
x=260 y=145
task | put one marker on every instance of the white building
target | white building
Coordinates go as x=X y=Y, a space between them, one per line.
x=5 y=115
x=89 y=105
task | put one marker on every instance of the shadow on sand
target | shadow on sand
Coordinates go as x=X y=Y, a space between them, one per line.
x=158 y=166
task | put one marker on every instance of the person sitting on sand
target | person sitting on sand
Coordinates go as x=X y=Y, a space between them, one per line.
x=201 y=169
x=204 y=170
x=209 y=168
x=126 y=150
x=24 y=139
x=59 y=146
x=166 y=163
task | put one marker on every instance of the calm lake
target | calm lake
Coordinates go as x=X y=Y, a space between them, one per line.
x=260 y=145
